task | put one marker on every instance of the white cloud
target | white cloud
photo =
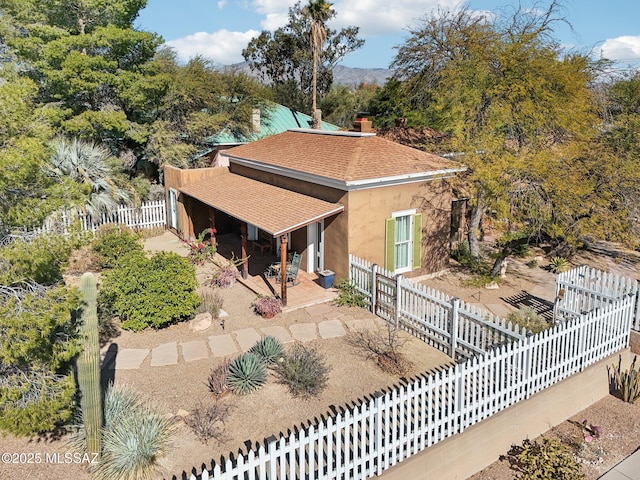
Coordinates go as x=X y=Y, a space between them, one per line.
x=623 y=48
x=380 y=17
x=374 y=17
x=222 y=4
x=222 y=47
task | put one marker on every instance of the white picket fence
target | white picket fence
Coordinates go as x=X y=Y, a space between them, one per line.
x=583 y=289
x=148 y=215
x=370 y=436
x=449 y=324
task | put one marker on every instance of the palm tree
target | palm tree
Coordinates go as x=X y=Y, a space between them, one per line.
x=88 y=164
x=319 y=11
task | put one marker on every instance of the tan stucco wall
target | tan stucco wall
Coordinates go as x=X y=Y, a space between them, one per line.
x=368 y=210
x=336 y=241
x=176 y=178
x=462 y=455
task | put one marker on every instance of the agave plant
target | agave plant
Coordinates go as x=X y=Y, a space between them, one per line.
x=246 y=374
x=559 y=265
x=218 y=379
x=268 y=348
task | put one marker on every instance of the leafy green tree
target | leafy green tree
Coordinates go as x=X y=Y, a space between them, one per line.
x=27 y=195
x=284 y=60
x=95 y=73
x=200 y=101
x=341 y=104
x=515 y=105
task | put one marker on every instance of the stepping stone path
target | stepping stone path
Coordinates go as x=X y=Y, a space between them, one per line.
x=326 y=322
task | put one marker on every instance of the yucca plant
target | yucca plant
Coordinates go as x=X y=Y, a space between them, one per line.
x=134 y=437
x=627 y=382
x=268 y=348
x=559 y=265
x=246 y=374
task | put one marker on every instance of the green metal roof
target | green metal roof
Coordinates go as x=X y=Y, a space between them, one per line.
x=276 y=119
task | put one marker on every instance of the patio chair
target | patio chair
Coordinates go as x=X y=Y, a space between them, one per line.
x=273 y=270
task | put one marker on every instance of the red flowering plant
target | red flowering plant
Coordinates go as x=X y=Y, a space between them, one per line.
x=201 y=249
x=268 y=307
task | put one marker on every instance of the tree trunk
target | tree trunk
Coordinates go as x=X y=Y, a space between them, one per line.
x=475 y=220
x=504 y=254
x=314 y=115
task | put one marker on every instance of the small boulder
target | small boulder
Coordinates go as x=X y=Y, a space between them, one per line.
x=492 y=286
x=201 y=322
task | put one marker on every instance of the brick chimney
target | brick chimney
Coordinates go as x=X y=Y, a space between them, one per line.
x=255 y=120
x=362 y=123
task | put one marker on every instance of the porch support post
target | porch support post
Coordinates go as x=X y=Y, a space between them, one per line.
x=189 y=207
x=283 y=269
x=212 y=225
x=243 y=249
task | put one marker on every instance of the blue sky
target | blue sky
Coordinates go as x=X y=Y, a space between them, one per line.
x=220 y=29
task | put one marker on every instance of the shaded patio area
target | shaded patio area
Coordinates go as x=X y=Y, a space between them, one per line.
x=307 y=292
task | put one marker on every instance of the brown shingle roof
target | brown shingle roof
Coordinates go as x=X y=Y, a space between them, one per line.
x=272 y=209
x=343 y=156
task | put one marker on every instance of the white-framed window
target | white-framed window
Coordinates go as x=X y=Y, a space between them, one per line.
x=403 y=238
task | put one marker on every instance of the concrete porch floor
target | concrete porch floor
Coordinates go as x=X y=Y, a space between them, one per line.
x=307 y=292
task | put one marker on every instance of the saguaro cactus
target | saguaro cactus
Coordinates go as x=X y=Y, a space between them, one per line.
x=89 y=365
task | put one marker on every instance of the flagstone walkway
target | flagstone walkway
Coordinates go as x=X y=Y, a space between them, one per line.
x=325 y=325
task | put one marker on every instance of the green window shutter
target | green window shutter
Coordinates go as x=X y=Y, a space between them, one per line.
x=417 y=241
x=390 y=244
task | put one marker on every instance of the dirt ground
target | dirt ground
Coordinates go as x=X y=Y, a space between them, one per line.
x=272 y=409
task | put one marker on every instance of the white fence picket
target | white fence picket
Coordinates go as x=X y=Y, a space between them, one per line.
x=148 y=215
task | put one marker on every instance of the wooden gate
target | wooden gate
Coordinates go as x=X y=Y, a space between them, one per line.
x=386 y=297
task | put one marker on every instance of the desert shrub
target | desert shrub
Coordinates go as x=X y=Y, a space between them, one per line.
x=348 y=295
x=266 y=306
x=205 y=421
x=269 y=349
x=527 y=317
x=549 y=459
x=626 y=382
x=211 y=302
x=246 y=374
x=383 y=347
x=303 y=370
x=135 y=436
x=533 y=263
x=113 y=241
x=150 y=292
x=217 y=382
x=40 y=259
x=34 y=401
x=226 y=277
x=38 y=340
x=522 y=250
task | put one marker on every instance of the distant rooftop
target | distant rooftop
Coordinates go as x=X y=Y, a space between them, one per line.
x=276 y=119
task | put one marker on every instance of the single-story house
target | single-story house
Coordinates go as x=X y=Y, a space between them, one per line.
x=325 y=194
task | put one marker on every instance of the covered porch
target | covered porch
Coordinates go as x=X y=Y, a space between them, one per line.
x=260 y=224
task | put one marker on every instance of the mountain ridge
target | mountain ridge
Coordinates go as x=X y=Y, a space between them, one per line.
x=342 y=75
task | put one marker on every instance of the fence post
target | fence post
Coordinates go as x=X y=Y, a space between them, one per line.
x=374 y=284
x=377 y=441
x=455 y=305
x=271 y=443
x=635 y=325
x=398 y=297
